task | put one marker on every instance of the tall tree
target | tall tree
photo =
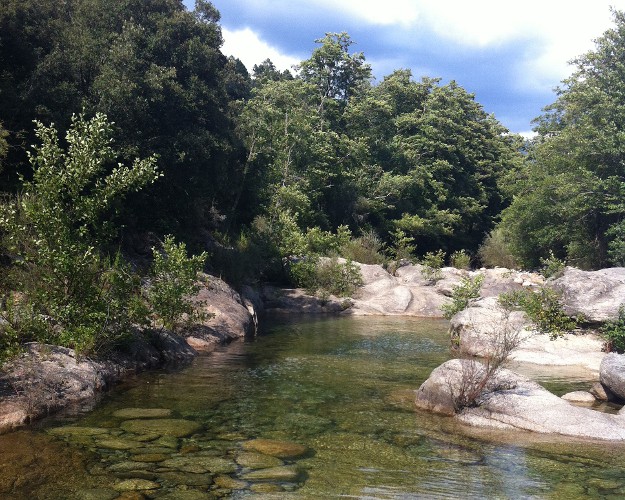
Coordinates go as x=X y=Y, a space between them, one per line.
x=569 y=199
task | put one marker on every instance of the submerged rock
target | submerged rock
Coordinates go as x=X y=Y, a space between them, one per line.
x=253 y=460
x=200 y=464
x=189 y=479
x=171 y=427
x=97 y=494
x=136 y=485
x=132 y=413
x=511 y=401
x=287 y=473
x=275 y=448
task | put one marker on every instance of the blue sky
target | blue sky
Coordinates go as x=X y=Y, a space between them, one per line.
x=511 y=55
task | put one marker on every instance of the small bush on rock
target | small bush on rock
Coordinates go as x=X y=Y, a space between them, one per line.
x=614 y=332
x=460 y=260
x=432 y=263
x=469 y=288
x=552 y=267
x=544 y=307
x=173 y=280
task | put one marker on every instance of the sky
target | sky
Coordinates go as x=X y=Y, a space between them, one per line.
x=511 y=55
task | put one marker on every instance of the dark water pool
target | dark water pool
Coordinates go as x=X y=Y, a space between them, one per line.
x=342 y=388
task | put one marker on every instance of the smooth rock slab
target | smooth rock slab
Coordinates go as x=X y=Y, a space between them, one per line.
x=132 y=413
x=286 y=473
x=172 y=427
x=275 y=448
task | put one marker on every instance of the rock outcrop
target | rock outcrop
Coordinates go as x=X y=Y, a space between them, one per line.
x=48 y=378
x=596 y=295
x=511 y=401
x=480 y=328
x=408 y=293
x=224 y=315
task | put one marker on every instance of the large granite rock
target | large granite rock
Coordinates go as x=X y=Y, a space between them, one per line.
x=612 y=375
x=480 y=328
x=511 y=401
x=227 y=316
x=597 y=295
x=408 y=293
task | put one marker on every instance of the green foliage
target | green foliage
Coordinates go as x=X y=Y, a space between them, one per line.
x=495 y=251
x=324 y=276
x=551 y=267
x=469 y=288
x=157 y=72
x=366 y=249
x=568 y=197
x=460 y=260
x=402 y=246
x=432 y=263
x=56 y=232
x=614 y=332
x=544 y=307
x=172 y=280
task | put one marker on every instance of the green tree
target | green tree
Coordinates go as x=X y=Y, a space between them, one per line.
x=57 y=231
x=568 y=199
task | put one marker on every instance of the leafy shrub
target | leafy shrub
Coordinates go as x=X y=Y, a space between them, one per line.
x=326 y=276
x=322 y=242
x=469 y=288
x=173 y=280
x=403 y=246
x=366 y=249
x=614 y=332
x=460 y=260
x=495 y=251
x=432 y=263
x=70 y=293
x=543 y=307
x=551 y=267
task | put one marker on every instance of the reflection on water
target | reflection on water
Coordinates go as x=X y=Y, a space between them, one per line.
x=337 y=396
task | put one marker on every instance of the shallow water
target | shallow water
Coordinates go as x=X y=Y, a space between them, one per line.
x=341 y=387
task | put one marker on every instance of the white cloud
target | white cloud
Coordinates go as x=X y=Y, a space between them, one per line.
x=402 y=12
x=248 y=46
x=557 y=31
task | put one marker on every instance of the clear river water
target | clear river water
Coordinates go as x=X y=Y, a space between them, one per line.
x=342 y=388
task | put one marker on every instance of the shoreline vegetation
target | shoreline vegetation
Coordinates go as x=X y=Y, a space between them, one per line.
x=135 y=155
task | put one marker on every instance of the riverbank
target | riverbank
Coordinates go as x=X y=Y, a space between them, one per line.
x=46 y=379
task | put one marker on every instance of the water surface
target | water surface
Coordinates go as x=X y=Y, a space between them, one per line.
x=344 y=388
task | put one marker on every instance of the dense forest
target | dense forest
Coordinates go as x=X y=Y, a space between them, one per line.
x=124 y=130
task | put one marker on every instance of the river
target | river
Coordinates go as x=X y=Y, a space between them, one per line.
x=341 y=388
